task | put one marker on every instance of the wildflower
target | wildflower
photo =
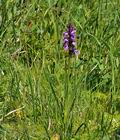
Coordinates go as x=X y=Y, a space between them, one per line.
x=69 y=41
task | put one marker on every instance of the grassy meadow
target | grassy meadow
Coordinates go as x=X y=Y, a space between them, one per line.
x=44 y=93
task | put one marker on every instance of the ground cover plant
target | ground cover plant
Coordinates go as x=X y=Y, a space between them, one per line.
x=58 y=83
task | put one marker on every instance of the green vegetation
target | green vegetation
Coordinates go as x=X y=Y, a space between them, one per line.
x=44 y=94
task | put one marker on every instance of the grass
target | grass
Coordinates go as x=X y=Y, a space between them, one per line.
x=44 y=95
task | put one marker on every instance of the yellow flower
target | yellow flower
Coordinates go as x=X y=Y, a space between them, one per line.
x=55 y=137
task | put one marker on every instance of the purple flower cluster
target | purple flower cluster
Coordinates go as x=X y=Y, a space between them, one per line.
x=70 y=40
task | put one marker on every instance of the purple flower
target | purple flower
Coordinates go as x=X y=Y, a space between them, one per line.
x=65 y=33
x=74 y=44
x=69 y=40
x=75 y=51
x=66 y=47
x=65 y=40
